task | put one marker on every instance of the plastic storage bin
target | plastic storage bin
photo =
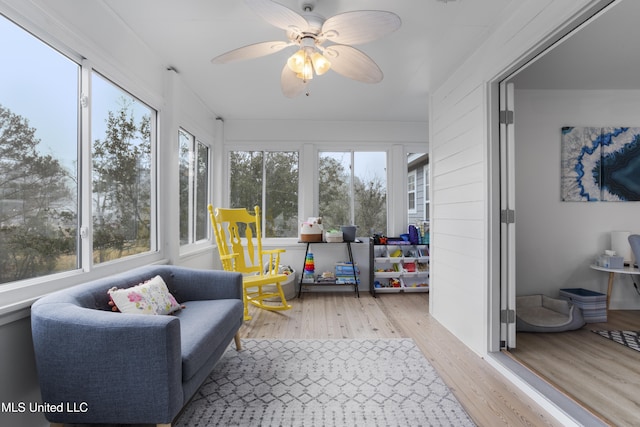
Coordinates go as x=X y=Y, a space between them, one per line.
x=593 y=304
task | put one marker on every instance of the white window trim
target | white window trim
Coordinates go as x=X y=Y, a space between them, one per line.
x=427 y=196
x=413 y=174
x=17 y=296
x=196 y=246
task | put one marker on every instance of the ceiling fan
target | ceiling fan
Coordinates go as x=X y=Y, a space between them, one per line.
x=309 y=32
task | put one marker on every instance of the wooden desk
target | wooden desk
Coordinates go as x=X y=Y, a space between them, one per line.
x=612 y=272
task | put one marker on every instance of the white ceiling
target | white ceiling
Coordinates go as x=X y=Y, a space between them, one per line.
x=605 y=55
x=434 y=38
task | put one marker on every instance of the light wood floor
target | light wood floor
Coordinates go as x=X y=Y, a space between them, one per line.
x=598 y=373
x=484 y=393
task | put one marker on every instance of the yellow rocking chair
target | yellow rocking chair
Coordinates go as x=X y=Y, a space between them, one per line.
x=236 y=230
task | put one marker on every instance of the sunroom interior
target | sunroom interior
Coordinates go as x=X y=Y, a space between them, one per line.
x=139 y=73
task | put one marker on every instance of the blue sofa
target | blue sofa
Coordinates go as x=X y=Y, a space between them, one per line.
x=99 y=366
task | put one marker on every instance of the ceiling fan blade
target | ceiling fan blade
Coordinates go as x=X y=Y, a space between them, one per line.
x=292 y=86
x=352 y=63
x=278 y=15
x=360 y=26
x=251 y=51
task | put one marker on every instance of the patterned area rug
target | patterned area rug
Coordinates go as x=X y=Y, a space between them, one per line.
x=626 y=338
x=341 y=382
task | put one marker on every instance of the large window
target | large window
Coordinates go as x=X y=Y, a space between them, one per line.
x=122 y=131
x=353 y=190
x=269 y=180
x=41 y=150
x=38 y=157
x=194 y=188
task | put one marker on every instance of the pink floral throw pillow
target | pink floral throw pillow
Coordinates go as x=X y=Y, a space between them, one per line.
x=151 y=297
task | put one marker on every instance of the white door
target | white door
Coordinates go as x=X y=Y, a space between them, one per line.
x=507 y=220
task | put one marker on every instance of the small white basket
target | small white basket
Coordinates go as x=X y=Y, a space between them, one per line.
x=333 y=237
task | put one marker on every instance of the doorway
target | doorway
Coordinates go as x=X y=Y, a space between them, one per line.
x=556 y=240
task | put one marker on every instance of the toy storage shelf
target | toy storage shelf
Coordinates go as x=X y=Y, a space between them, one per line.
x=349 y=282
x=398 y=266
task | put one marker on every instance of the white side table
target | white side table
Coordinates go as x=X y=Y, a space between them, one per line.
x=612 y=272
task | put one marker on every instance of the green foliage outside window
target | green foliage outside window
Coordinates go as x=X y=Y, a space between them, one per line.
x=37 y=207
x=358 y=198
x=268 y=180
x=193 y=164
x=122 y=186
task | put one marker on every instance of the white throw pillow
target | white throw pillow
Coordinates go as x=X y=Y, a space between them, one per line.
x=151 y=297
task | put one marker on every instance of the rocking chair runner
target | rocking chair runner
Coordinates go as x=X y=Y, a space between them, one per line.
x=236 y=230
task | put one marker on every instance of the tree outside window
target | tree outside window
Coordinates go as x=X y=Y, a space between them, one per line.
x=194 y=188
x=121 y=154
x=269 y=180
x=40 y=198
x=353 y=190
x=38 y=158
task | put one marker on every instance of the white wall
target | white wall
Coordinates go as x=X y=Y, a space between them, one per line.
x=464 y=273
x=556 y=241
x=18 y=372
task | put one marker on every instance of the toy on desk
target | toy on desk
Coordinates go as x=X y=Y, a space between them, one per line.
x=309 y=268
x=311 y=230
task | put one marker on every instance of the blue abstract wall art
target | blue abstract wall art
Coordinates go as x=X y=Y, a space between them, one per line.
x=600 y=164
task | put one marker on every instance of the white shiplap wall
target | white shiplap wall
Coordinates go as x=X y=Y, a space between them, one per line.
x=464 y=280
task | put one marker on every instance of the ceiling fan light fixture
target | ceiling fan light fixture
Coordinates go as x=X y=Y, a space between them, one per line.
x=296 y=61
x=320 y=64
x=307 y=61
x=307 y=70
x=309 y=31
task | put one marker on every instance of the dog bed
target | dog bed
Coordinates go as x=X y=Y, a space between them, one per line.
x=540 y=313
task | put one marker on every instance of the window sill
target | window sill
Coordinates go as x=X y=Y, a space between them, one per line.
x=17 y=297
x=196 y=249
x=280 y=242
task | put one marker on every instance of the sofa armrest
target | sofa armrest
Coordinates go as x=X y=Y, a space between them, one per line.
x=188 y=284
x=122 y=368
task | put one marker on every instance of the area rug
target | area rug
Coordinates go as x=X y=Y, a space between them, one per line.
x=626 y=338
x=341 y=382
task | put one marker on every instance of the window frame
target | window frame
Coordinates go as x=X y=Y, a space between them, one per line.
x=192 y=239
x=353 y=162
x=427 y=195
x=264 y=211
x=308 y=179
x=19 y=295
x=413 y=173
x=71 y=78
x=154 y=247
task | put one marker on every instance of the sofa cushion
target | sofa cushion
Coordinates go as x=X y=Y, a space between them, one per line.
x=203 y=326
x=150 y=297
